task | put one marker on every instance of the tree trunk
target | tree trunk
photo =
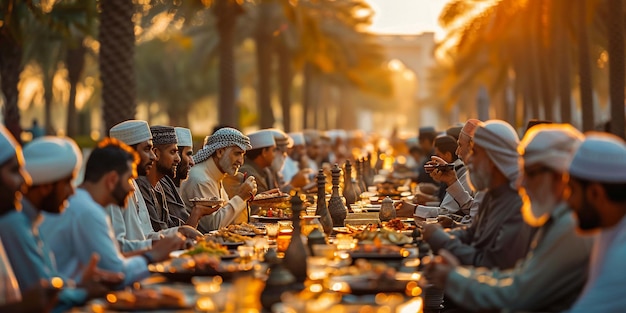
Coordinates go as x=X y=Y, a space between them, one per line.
x=285 y=78
x=47 y=96
x=227 y=12
x=10 y=70
x=117 y=48
x=584 y=68
x=564 y=79
x=307 y=94
x=616 y=66
x=75 y=62
x=264 y=48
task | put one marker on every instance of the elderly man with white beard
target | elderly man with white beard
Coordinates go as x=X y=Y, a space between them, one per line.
x=276 y=179
x=554 y=271
x=499 y=237
x=222 y=155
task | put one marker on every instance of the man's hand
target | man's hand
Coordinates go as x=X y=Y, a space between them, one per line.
x=445 y=221
x=448 y=177
x=429 y=230
x=248 y=189
x=187 y=231
x=301 y=178
x=405 y=209
x=437 y=269
x=98 y=282
x=203 y=210
x=162 y=248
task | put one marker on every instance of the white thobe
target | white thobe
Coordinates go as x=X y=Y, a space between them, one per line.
x=84 y=228
x=205 y=181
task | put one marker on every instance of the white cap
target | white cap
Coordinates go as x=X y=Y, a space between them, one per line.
x=281 y=138
x=500 y=141
x=8 y=145
x=551 y=145
x=600 y=158
x=262 y=139
x=184 y=137
x=48 y=159
x=298 y=138
x=131 y=132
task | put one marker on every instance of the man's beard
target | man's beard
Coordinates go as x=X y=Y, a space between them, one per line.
x=120 y=196
x=588 y=217
x=169 y=171
x=480 y=177
x=538 y=206
x=227 y=167
x=52 y=204
x=141 y=170
x=182 y=172
x=278 y=163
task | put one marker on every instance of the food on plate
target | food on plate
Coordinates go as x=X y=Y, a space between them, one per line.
x=244 y=229
x=398 y=225
x=208 y=247
x=229 y=236
x=204 y=199
x=143 y=299
x=273 y=193
x=384 y=236
x=275 y=212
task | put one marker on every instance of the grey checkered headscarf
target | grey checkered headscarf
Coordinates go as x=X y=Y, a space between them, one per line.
x=222 y=138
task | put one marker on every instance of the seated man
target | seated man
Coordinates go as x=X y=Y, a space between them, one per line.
x=597 y=181
x=84 y=228
x=52 y=164
x=499 y=237
x=553 y=273
x=222 y=155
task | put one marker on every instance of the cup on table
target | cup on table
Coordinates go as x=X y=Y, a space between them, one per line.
x=245 y=253
x=316 y=267
x=271 y=231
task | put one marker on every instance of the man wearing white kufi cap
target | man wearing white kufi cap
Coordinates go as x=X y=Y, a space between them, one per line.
x=284 y=143
x=499 y=237
x=554 y=271
x=53 y=163
x=598 y=181
x=133 y=229
x=222 y=155
x=257 y=164
x=296 y=156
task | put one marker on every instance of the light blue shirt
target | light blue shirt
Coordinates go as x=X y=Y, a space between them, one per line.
x=31 y=259
x=604 y=291
x=84 y=228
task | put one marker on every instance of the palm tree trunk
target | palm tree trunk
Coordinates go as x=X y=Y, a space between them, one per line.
x=584 y=68
x=47 y=96
x=564 y=79
x=616 y=65
x=226 y=12
x=75 y=62
x=117 y=49
x=307 y=94
x=10 y=70
x=264 y=50
x=285 y=78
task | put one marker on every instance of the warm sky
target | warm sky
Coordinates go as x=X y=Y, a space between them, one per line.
x=406 y=16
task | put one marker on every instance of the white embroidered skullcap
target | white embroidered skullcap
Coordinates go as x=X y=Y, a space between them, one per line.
x=500 y=141
x=551 y=145
x=298 y=138
x=281 y=138
x=131 y=132
x=600 y=158
x=49 y=159
x=262 y=139
x=222 y=138
x=184 y=137
x=8 y=145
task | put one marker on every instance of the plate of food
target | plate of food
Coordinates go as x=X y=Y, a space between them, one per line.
x=270 y=219
x=182 y=269
x=273 y=196
x=214 y=201
x=208 y=247
x=145 y=299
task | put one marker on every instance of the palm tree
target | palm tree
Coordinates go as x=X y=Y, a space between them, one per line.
x=117 y=48
x=615 y=27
